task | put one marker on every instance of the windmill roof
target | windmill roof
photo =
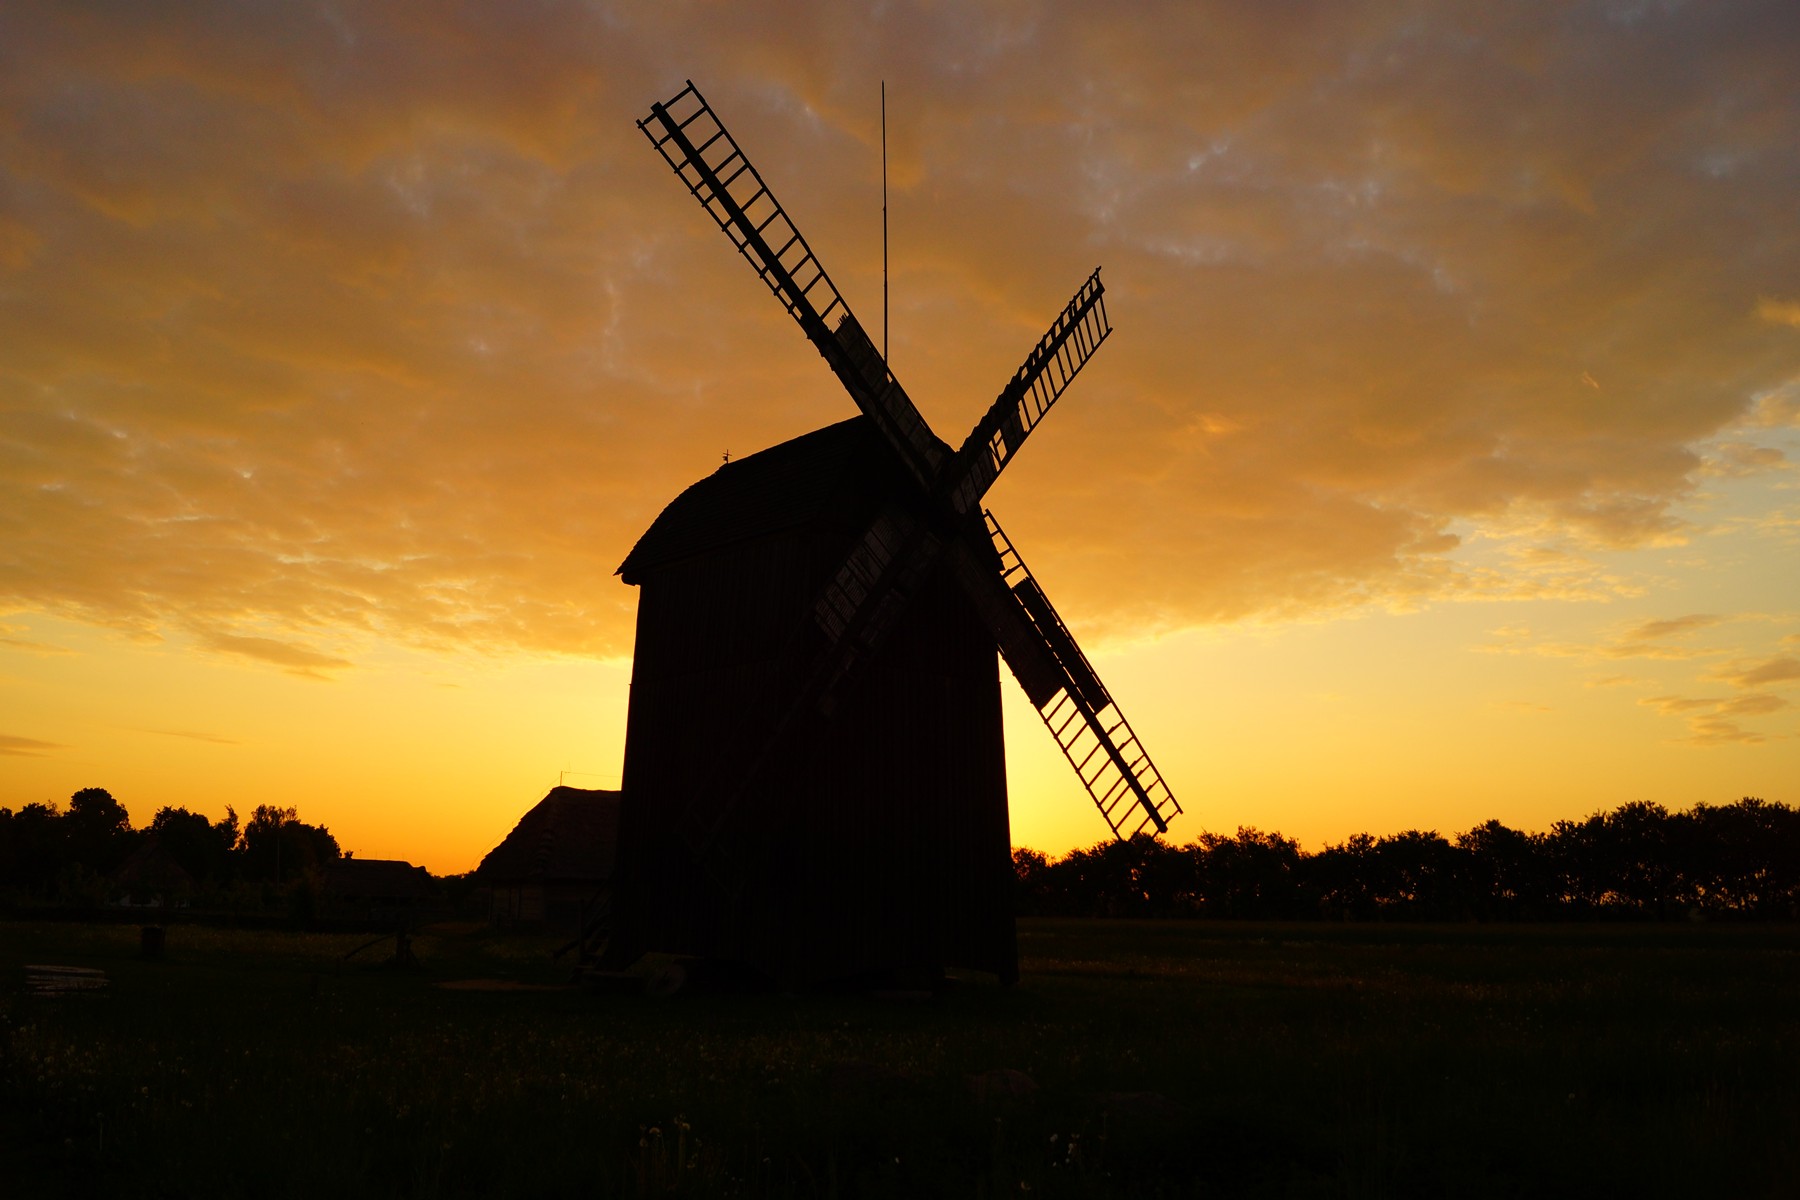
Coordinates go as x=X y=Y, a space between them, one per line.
x=571 y=835
x=775 y=489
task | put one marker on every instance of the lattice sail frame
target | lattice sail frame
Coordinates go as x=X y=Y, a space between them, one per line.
x=695 y=144
x=1084 y=718
x=1043 y=377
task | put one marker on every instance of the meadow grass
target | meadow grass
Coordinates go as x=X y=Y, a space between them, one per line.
x=1135 y=1059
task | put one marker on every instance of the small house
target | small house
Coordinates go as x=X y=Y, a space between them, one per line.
x=151 y=878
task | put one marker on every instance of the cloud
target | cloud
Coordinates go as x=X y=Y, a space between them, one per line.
x=24 y=747
x=1754 y=704
x=1671 y=705
x=1776 y=410
x=1707 y=717
x=1778 y=312
x=1665 y=639
x=31 y=647
x=1715 y=731
x=1671 y=627
x=1782 y=669
x=191 y=735
x=392 y=324
x=297 y=660
x=1737 y=460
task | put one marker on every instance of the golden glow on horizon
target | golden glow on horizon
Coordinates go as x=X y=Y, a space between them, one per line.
x=1441 y=469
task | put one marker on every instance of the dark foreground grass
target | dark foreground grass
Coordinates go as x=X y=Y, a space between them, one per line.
x=1136 y=1059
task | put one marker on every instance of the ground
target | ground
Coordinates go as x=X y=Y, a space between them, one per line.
x=1134 y=1059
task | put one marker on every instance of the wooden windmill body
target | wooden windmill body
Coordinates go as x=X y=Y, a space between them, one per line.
x=814 y=779
x=879 y=835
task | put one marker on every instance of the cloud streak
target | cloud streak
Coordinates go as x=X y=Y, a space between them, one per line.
x=192 y=736
x=297 y=660
x=1782 y=669
x=24 y=747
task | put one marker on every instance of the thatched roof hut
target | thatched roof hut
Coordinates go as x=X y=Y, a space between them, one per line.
x=376 y=890
x=387 y=880
x=559 y=855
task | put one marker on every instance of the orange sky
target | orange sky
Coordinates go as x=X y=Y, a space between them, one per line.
x=1440 y=468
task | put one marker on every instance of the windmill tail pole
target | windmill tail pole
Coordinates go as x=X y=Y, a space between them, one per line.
x=884 y=228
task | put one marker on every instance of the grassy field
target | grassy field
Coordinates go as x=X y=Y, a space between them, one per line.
x=1135 y=1059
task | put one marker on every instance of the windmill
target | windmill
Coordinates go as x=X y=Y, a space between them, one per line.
x=814 y=777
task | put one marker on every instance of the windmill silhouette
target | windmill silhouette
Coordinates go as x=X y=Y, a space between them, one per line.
x=814 y=774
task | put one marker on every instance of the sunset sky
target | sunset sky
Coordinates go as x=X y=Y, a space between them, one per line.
x=1441 y=467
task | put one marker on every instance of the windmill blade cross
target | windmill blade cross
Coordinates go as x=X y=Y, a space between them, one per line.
x=696 y=144
x=907 y=540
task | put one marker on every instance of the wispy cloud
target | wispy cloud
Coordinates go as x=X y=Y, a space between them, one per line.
x=1654 y=639
x=31 y=647
x=1716 y=731
x=1781 y=669
x=1778 y=312
x=1672 y=705
x=1738 y=460
x=1670 y=627
x=24 y=747
x=297 y=660
x=1710 y=719
x=1755 y=704
x=194 y=736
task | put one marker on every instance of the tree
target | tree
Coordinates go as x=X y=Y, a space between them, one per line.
x=278 y=846
x=33 y=848
x=1741 y=859
x=1248 y=876
x=202 y=847
x=1344 y=876
x=1508 y=873
x=1031 y=871
x=97 y=829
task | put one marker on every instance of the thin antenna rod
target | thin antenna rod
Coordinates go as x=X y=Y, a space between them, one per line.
x=884 y=235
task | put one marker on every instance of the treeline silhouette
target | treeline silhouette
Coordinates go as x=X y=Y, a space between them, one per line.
x=50 y=855
x=1639 y=861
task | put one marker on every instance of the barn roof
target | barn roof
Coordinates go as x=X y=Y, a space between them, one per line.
x=571 y=835
x=766 y=492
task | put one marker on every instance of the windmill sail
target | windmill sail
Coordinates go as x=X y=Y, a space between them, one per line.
x=1047 y=371
x=690 y=137
x=1079 y=712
